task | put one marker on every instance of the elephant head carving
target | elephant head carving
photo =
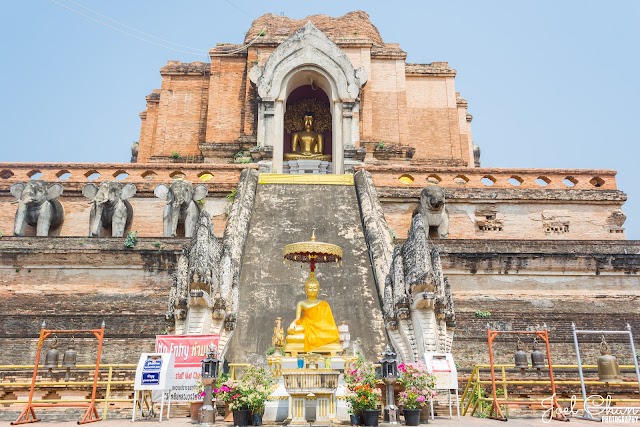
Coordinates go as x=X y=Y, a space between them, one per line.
x=433 y=210
x=181 y=197
x=110 y=207
x=37 y=206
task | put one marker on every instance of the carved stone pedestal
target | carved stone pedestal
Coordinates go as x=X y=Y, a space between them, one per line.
x=307 y=166
x=316 y=385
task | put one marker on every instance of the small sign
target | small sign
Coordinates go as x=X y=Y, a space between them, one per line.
x=440 y=363
x=150 y=378
x=443 y=368
x=152 y=364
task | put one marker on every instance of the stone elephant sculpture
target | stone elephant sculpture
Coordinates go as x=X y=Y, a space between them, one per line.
x=433 y=210
x=110 y=207
x=37 y=206
x=181 y=197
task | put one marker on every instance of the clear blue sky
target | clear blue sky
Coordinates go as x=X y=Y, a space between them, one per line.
x=551 y=84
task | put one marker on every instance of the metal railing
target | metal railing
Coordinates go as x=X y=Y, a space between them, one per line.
x=103 y=384
x=474 y=398
x=106 y=384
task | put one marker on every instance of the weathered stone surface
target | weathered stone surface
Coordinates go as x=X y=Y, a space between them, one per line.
x=204 y=296
x=79 y=282
x=528 y=283
x=285 y=214
x=37 y=206
x=276 y=29
x=417 y=302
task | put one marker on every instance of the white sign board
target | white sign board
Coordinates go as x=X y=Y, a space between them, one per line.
x=442 y=366
x=154 y=371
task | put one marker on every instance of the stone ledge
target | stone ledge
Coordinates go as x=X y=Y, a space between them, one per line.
x=434 y=69
x=52 y=245
x=524 y=195
x=626 y=248
x=185 y=68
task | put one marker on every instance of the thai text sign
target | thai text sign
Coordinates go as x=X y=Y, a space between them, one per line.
x=188 y=350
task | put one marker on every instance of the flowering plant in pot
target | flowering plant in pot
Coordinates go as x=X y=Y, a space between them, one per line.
x=362 y=395
x=418 y=390
x=248 y=394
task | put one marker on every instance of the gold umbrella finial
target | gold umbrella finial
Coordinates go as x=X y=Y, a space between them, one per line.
x=313 y=234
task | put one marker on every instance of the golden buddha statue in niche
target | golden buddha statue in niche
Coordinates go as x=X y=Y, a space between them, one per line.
x=307 y=144
x=313 y=328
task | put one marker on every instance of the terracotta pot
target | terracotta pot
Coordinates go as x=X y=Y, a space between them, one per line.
x=194 y=410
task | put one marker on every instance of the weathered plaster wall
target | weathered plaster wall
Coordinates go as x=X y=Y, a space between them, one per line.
x=75 y=283
x=524 y=284
x=79 y=282
x=286 y=214
x=521 y=219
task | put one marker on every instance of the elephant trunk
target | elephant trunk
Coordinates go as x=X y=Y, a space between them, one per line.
x=21 y=219
x=173 y=218
x=96 y=220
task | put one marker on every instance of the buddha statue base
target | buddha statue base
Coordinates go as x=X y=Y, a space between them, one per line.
x=298 y=348
x=313 y=166
x=303 y=156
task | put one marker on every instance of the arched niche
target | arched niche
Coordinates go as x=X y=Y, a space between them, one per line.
x=311 y=93
x=308 y=56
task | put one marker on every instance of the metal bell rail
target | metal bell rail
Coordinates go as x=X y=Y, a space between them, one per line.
x=496 y=411
x=28 y=414
x=587 y=414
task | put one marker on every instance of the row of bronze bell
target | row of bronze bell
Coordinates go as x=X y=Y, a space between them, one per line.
x=69 y=358
x=537 y=357
x=608 y=368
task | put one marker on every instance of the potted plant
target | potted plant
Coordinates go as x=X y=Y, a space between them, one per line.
x=195 y=405
x=362 y=395
x=418 y=390
x=247 y=395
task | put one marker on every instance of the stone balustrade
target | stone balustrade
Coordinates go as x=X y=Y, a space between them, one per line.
x=384 y=176
x=310 y=380
x=145 y=175
x=489 y=178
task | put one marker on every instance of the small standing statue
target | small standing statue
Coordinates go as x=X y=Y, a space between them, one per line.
x=278 y=334
x=345 y=336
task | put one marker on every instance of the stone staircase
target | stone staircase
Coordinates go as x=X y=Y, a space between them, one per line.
x=268 y=289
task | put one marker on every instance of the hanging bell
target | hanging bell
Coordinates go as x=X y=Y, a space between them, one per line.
x=52 y=358
x=537 y=357
x=70 y=356
x=521 y=357
x=608 y=369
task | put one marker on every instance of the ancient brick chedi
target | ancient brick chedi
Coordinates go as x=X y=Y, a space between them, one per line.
x=526 y=246
x=238 y=100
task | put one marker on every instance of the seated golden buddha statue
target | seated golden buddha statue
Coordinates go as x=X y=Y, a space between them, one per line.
x=307 y=144
x=313 y=328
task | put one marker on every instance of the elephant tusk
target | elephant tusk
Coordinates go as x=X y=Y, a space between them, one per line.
x=15 y=201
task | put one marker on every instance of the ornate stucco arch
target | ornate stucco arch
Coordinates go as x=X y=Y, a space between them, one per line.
x=308 y=54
